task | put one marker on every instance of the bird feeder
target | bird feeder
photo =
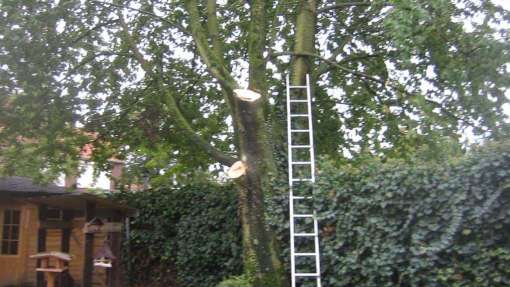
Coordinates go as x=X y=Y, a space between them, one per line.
x=104 y=256
x=247 y=95
x=52 y=264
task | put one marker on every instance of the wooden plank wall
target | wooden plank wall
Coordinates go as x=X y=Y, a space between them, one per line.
x=76 y=245
x=76 y=250
x=20 y=269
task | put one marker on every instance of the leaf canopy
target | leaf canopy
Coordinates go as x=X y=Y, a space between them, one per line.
x=388 y=77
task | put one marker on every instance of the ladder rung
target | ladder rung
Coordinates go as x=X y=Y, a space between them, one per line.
x=298 y=100
x=299 y=131
x=306 y=274
x=305 y=254
x=305 y=234
x=303 y=215
x=302 y=197
x=301 y=162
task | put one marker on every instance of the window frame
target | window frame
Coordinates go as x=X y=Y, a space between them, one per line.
x=12 y=224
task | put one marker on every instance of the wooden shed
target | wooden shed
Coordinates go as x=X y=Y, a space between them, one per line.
x=38 y=219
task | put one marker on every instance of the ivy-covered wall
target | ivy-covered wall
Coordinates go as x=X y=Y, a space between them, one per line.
x=398 y=223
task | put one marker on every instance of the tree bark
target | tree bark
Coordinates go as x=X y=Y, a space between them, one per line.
x=305 y=41
x=261 y=260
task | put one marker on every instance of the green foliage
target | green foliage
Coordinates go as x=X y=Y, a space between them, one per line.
x=397 y=223
x=414 y=224
x=187 y=236
x=66 y=64
x=239 y=281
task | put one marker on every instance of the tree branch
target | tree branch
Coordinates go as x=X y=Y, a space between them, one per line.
x=334 y=64
x=89 y=31
x=213 y=63
x=273 y=29
x=360 y=57
x=257 y=31
x=171 y=103
x=213 y=30
x=217 y=49
x=146 y=66
x=148 y=13
x=196 y=139
x=324 y=67
x=343 y=5
x=374 y=79
x=87 y=60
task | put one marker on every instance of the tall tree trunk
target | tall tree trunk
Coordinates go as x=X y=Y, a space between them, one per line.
x=305 y=40
x=261 y=261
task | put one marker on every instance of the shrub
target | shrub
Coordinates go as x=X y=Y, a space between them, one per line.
x=418 y=224
x=186 y=236
x=397 y=223
x=239 y=281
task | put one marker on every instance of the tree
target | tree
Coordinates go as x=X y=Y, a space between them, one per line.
x=155 y=80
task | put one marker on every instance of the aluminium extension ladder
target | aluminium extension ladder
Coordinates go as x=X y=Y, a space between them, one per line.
x=304 y=231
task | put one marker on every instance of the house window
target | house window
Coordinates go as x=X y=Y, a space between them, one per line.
x=10 y=232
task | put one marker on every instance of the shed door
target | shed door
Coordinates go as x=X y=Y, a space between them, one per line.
x=12 y=257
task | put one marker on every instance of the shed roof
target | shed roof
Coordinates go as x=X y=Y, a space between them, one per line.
x=25 y=185
x=57 y=196
x=77 y=200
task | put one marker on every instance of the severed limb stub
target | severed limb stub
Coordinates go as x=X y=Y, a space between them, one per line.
x=237 y=170
x=247 y=95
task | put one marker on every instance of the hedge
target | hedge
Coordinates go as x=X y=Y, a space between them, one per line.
x=186 y=236
x=413 y=223
x=395 y=223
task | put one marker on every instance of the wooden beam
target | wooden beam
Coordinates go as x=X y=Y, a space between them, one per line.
x=88 y=264
x=105 y=212
x=65 y=246
x=115 y=279
x=41 y=243
x=66 y=231
x=107 y=227
x=50 y=224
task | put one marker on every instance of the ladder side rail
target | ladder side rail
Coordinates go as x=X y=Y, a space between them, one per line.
x=312 y=167
x=310 y=127
x=291 y=194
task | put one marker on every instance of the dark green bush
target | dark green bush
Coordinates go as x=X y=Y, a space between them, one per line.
x=187 y=236
x=416 y=224
x=397 y=223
